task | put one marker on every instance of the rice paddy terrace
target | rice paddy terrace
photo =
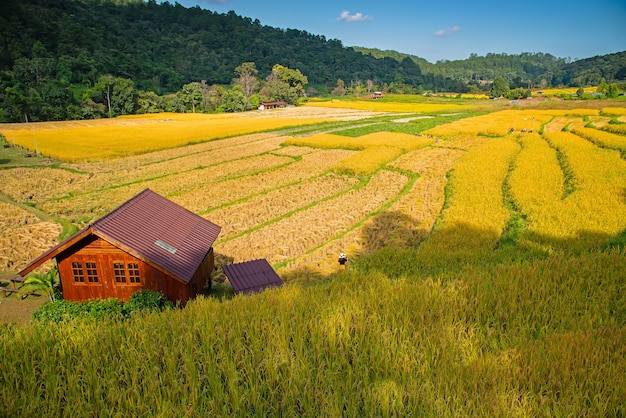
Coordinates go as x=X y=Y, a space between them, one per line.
x=486 y=250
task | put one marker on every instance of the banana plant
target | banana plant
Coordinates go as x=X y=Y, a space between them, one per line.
x=42 y=281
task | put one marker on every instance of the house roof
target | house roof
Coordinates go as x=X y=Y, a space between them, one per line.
x=153 y=229
x=252 y=276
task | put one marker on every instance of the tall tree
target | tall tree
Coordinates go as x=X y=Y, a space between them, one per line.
x=192 y=95
x=285 y=84
x=124 y=100
x=104 y=86
x=247 y=79
x=499 y=88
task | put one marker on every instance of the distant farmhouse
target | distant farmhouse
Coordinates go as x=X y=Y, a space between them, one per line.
x=149 y=242
x=271 y=105
x=377 y=95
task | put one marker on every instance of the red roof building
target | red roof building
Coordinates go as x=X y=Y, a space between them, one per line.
x=149 y=242
x=251 y=276
x=271 y=105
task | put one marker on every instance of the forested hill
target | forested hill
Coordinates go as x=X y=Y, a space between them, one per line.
x=163 y=46
x=63 y=59
x=527 y=69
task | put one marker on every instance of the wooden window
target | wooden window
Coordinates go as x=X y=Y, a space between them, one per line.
x=77 y=272
x=119 y=271
x=92 y=272
x=133 y=273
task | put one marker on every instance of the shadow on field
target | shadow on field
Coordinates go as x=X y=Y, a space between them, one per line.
x=396 y=247
x=583 y=241
x=391 y=229
x=4 y=161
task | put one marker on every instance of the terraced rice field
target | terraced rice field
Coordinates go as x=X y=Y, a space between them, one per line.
x=548 y=177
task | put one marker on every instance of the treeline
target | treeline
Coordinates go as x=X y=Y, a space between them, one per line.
x=74 y=59
x=46 y=98
x=528 y=70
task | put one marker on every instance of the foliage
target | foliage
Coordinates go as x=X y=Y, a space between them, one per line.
x=147 y=300
x=87 y=59
x=65 y=311
x=518 y=93
x=499 y=88
x=144 y=300
x=48 y=282
x=285 y=84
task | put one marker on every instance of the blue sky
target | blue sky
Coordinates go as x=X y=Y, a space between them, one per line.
x=448 y=29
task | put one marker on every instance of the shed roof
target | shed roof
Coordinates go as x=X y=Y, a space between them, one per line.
x=252 y=276
x=153 y=229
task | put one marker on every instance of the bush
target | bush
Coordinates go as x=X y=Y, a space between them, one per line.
x=148 y=300
x=63 y=310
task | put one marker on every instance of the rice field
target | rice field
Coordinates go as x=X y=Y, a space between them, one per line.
x=486 y=274
x=391 y=107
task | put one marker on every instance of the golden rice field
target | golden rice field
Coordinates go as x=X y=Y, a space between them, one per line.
x=376 y=106
x=562 y=91
x=486 y=273
x=299 y=200
x=138 y=134
x=24 y=237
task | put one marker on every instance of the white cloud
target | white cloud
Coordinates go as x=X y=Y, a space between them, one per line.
x=447 y=31
x=357 y=17
x=214 y=1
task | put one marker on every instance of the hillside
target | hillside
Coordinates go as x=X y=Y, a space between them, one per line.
x=163 y=46
x=59 y=60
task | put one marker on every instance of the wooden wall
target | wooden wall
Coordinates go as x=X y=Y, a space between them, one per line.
x=105 y=255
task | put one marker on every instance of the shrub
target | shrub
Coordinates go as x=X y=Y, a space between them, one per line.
x=63 y=310
x=148 y=300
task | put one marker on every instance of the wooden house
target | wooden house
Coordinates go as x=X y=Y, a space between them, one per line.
x=149 y=242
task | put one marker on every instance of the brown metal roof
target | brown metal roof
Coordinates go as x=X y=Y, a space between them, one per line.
x=153 y=228
x=252 y=276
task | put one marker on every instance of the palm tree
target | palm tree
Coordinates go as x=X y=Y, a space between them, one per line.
x=42 y=281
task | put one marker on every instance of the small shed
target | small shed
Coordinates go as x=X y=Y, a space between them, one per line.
x=148 y=242
x=377 y=95
x=252 y=276
x=271 y=105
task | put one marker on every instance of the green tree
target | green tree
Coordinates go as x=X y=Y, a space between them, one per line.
x=499 y=88
x=149 y=102
x=613 y=91
x=285 y=84
x=22 y=102
x=191 y=96
x=234 y=100
x=216 y=96
x=124 y=100
x=518 y=93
